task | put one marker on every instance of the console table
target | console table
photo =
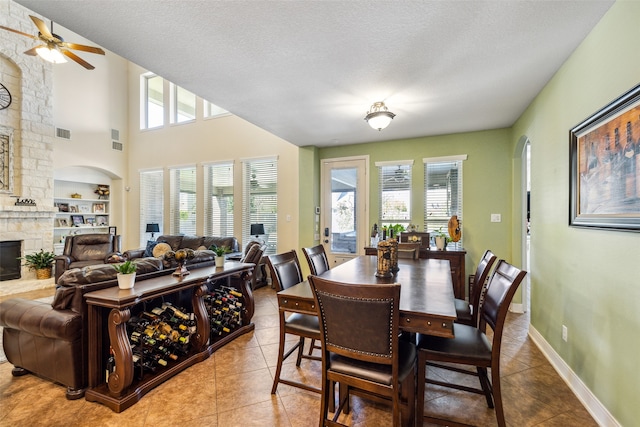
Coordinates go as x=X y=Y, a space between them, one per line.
x=456 y=260
x=109 y=310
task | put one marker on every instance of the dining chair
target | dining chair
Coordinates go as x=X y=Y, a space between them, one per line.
x=467 y=312
x=318 y=264
x=361 y=351
x=471 y=346
x=285 y=272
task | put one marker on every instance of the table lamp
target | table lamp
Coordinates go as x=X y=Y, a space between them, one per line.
x=153 y=228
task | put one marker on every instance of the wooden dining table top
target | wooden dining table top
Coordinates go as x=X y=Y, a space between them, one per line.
x=426 y=293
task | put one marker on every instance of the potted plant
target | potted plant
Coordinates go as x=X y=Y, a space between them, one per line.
x=126 y=274
x=220 y=252
x=441 y=239
x=41 y=262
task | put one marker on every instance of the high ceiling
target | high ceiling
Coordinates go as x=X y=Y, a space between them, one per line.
x=308 y=71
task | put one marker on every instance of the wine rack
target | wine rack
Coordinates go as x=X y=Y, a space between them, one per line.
x=141 y=337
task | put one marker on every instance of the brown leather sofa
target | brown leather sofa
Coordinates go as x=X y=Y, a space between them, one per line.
x=81 y=250
x=50 y=340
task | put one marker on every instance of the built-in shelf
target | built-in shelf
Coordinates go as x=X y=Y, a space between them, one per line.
x=89 y=212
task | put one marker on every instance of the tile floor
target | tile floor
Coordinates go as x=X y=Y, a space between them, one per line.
x=232 y=388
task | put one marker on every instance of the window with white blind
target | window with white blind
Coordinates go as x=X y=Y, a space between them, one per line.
x=182 y=200
x=152 y=93
x=151 y=202
x=211 y=110
x=443 y=193
x=183 y=105
x=218 y=201
x=394 y=186
x=260 y=200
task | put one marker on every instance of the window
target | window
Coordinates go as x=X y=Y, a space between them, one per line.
x=218 y=203
x=182 y=193
x=151 y=202
x=260 y=200
x=152 y=114
x=443 y=193
x=211 y=111
x=395 y=192
x=183 y=105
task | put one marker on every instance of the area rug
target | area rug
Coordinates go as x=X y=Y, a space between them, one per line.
x=2 y=356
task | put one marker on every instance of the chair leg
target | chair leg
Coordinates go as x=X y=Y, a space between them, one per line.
x=486 y=386
x=313 y=343
x=497 y=395
x=327 y=392
x=300 y=351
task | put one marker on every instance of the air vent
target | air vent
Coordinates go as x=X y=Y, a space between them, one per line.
x=63 y=133
x=116 y=145
x=115 y=134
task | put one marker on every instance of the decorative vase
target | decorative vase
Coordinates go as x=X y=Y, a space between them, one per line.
x=126 y=281
x=43 y=273
x=219 y=261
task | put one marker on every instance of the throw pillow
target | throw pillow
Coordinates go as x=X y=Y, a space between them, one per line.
x=161 y=249
x=148 y=252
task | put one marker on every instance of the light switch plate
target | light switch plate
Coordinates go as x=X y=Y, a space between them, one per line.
x=496 y=218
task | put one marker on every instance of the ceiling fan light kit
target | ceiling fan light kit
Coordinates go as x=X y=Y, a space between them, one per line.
x=55 y=48
x=379 y=116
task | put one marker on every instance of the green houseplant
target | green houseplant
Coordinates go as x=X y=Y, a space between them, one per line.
x=126 y=274
x=41 y=262
x=441 y=239
x=220 y=252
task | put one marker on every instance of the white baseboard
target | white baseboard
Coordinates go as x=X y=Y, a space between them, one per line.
x=597 y=410
x=516 y=308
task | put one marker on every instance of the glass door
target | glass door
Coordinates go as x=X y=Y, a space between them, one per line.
x=344 y=208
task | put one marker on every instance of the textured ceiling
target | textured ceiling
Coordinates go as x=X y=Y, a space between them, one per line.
x=308 y=71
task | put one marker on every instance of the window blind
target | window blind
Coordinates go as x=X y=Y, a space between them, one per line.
x=182 y=200
x=443 y=195
x=260 y=200
x=218 y=202
x=151 y=202
x=394 y=184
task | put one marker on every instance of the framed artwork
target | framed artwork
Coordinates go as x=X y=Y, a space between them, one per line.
x=101 y=220
x=77 y=220
x=98 y=208
x=604 y=154
x=90 y=220
x=83 y=208
x=73 y=208
x=63 y=207
x=62 y=222
x=112 y=231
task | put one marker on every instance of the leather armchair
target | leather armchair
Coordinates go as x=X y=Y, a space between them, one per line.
x=81 y=250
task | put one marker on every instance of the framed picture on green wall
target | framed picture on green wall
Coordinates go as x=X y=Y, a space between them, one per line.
x=604 y=158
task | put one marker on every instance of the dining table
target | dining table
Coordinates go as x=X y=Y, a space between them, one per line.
x=426 y=292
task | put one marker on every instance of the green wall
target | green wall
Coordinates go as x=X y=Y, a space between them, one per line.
x=588 y=280
x=486 y=182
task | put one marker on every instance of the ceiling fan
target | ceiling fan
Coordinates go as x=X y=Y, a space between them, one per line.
x=54 y=46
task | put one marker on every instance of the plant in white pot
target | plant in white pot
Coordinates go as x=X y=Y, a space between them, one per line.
x=220 y=252
x=126 y=274
x=441 y=239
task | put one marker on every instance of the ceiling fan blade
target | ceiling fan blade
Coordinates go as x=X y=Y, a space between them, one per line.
x=82 y=47
x=42 y=27
x=19 y=32
x=32 y=51
x=76 y=58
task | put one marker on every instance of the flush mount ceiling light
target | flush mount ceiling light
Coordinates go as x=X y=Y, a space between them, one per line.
x=379 y=116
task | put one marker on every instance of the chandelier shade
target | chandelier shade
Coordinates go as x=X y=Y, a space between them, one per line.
x=379 y=116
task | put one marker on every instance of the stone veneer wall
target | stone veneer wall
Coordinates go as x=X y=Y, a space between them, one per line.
x=29 y=119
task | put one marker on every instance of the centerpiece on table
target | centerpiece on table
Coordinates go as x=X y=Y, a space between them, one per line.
x=181 y=256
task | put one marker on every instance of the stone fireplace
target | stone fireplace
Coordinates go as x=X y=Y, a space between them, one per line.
x=26 y=151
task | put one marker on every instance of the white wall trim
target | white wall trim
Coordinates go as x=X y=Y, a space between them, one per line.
x=516 y=308
x=597 y=410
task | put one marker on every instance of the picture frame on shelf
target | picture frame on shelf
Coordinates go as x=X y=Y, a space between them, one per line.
x=73 y=208
x=63 y=207
x=98 y=208
x=102 y=220
x=83 y=208
x=90 y=220
x=77 y=220
x=604 y=155
x=112 y=231
x=62 y=222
